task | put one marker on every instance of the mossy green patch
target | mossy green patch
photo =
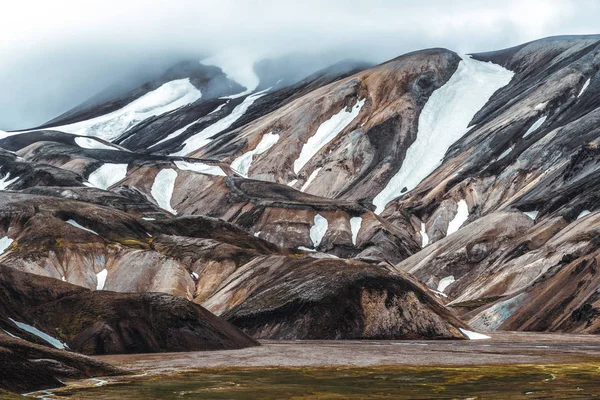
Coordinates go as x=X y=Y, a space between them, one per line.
x=573 y=381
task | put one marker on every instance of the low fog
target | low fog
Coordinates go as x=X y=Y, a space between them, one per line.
x=55 y=55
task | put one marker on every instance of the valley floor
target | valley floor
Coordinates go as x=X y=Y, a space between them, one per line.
x=503 y=348
x=511 y=365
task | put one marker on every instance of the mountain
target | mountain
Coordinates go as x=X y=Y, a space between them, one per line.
x=430 y=196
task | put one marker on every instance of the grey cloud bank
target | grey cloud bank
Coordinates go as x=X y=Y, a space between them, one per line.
x=54 y=55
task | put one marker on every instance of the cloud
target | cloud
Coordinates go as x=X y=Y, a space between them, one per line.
x=59 y=53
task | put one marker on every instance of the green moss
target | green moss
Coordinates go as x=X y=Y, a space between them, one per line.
x=385 y=382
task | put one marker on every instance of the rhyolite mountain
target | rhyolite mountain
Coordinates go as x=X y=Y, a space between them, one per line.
x=426 y=197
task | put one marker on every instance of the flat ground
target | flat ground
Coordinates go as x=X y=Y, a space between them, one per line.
x=503 y=348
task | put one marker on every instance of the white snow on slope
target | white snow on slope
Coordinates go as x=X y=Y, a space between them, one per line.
x=445 y=282
x=474 y=335
x=242 y=163
x=462 y=214
x=101 y=279
x=310 y=179
x=202 y=138
x=107 y=175
x=292 y=182
x=200 y=168
x=424 y=235
x=5 y=243
x=76 y=225
x=181 y=130
x=535 y=126
x=6 y=182
x=44 y=336
x=581 y=215
x=355 y=224
x=162 y=189
x=168 y=97
x=505 y=153
x=318 y=230
x=93 y=144
x=326 y=132
x=585 y=86
x=532 y=214
x=238 y=65
x=443 y=120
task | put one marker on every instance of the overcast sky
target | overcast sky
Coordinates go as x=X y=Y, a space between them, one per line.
x=56 y=54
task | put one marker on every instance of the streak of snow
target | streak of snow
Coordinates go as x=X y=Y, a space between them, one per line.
x=355 y=224
x=581 y=215
x=505 y=153
x=474 y=335
x=424 y=236
x=318 y=230
x=195 y=276
x=585 y=86
x=242 y=163
x=306 y=249
x=532 y=214
x=203 y=137
x=445 y=282
x=76 y=225
x=292 y=182
x=101 y=279
x=311 y=178
x=535 y=126
x=200 y=168
x=44 y=336
x=326 y=132
x=5 y=243
x=445 y=119
x=148 y=219
x=162 y=189
x=462 y=214
x=107 y=175
x=93 y=144
x=11 y=335
x=185 y=128
x=168 y=97
x=6 y=182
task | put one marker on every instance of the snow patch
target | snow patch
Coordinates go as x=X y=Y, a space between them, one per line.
x=148 y=219
x=44 y=336
x=474 y=335
x=6 y=182
x=355 y=224
x=203 y=137
x=162 y=189
x=292 y=182
x=326 y=132
x=445 y=282
x=306 y=249
x=92 y=144
x=311 y=178
x=107 y=175
x=535 y=126
x=462 y=214
x=581 y=215
x=318 y=230
x=76 y=225
x=5 y=243
x=185 y=128
x=101 y=279
x=200 y=168
x=195 y=275
x=445 y=119
x=532 y=214
x=168 y=97
x=585 y=86
x=424 y=236
x=242 y=163
x=505 y=153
